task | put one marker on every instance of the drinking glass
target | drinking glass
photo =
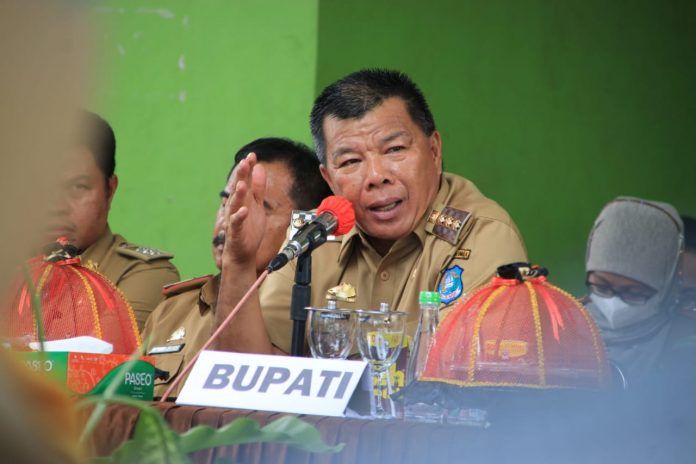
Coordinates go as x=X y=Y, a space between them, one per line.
x=380 y=335
x=330 y=332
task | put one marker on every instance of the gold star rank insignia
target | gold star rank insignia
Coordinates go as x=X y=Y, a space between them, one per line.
x=447 y=223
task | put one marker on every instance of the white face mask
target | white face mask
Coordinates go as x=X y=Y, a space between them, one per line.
x=620 y=314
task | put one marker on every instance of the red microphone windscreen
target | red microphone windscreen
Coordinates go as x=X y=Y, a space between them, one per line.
x=342 y=209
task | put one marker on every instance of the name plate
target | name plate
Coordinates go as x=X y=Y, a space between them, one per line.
x=271 y=383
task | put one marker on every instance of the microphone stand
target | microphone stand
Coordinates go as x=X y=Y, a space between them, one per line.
x=301 y=297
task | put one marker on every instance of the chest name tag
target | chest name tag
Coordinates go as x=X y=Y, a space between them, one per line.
x=166 y=349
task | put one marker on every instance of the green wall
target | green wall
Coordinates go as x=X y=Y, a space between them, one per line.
x=185 y=84
x=551 y=108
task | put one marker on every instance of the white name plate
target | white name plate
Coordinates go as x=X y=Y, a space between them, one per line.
x=271 y=383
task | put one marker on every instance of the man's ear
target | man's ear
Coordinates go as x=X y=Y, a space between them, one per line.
x=327 y=178
x=111 y=186
x=436 y=149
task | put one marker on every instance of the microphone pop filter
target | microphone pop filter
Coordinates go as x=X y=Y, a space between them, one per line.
x=342 y=209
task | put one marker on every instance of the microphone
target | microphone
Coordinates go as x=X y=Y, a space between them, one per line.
x=335 y=215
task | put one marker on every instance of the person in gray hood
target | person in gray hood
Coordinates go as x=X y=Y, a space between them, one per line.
x=632 y=259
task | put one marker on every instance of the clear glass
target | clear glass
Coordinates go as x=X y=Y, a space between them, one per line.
x=380 y=336
x=330 y=332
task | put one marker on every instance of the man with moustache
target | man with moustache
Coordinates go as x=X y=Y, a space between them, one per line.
x=182 y=323
x=417 y=227
x=81 y=215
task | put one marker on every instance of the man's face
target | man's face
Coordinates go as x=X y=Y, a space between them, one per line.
x=386 y=166
x=82 y=207
x=278 y=206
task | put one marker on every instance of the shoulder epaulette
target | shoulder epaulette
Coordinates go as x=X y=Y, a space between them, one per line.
x=185 y=285
x=447 y=223
x=141 y=252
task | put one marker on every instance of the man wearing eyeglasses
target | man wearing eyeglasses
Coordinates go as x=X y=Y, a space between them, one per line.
x=632 y=264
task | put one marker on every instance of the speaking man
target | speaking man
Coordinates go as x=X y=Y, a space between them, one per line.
x=418 y=228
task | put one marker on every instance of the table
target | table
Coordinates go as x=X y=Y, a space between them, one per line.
x=365 y=441
x=585 y=432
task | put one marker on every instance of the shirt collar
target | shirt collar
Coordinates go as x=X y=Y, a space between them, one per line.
x=209 y=292
x=98 y=249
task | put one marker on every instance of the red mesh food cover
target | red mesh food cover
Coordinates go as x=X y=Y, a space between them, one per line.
x=75 y=301
x=518 y=331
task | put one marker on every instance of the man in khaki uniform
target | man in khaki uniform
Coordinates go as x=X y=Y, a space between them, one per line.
x=182 y=323
x=139 y=272
x=433 y=258
x=417 y=227
x=81 y=215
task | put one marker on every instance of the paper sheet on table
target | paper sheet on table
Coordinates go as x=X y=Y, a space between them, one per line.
x=83 y=344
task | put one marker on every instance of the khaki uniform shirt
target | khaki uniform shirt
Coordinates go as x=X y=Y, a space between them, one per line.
x=180 y=325
x=139 y=272
x=456 y=247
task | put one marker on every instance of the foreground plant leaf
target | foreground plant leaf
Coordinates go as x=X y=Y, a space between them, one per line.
x=154 y=442
x=287 y=430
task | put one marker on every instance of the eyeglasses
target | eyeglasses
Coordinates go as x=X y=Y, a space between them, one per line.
x=632 y=296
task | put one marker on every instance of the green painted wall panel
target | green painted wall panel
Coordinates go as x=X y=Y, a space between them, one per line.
x=551 y=108
x=185 y=84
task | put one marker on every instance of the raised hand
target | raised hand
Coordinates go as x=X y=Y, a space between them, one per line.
x=244 y=215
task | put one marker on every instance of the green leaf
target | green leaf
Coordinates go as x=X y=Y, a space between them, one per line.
x=239 y=431
x=287 y=430
x=153 y=442
x=301 y=434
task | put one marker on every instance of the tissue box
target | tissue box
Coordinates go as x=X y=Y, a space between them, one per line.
x=90 y=374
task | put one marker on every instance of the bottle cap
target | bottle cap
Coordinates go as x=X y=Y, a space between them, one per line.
x=429 y=298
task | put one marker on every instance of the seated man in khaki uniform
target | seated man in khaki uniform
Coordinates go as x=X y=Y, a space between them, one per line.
x=182 y=323
x=81 y=215
x=417 y=228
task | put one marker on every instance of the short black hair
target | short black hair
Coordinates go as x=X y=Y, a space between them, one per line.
x=308 y=187
x=689 y=234
x=360 y=92
x=98 y=137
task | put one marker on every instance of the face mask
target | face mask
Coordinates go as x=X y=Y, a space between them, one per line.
x=620 y=314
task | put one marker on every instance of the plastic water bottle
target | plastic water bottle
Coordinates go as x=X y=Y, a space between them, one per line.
x=427 y=325
x=415 y=407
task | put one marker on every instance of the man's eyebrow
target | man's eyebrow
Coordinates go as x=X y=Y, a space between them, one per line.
x=395 y=135
x=224 y=194
x=341 y=151
x=82 y=177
